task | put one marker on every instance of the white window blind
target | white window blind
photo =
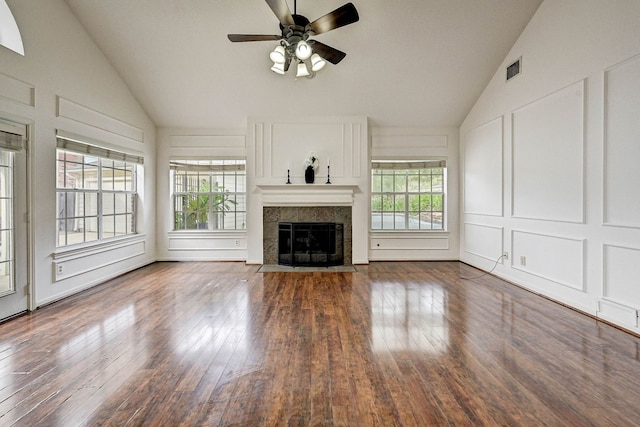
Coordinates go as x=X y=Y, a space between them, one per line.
x=13 y=137
x=191 y=167
x=82 y=147
x=409 y=164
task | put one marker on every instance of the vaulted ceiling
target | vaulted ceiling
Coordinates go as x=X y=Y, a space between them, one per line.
x=413 y=63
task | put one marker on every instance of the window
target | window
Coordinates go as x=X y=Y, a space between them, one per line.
x=209 y=194
x=407 y=195
x=96 y=193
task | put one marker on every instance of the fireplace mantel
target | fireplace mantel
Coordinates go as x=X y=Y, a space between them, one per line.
x=307 y=194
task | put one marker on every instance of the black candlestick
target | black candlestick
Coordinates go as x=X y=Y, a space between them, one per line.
x=328 y=175
x=288 y=177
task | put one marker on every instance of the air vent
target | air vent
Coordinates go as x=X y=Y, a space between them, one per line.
x=514 y=69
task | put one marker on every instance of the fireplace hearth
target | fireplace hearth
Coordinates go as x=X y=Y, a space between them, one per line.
x=310 y=244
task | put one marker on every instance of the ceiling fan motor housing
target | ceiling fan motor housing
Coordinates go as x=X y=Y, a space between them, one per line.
x=299 y=31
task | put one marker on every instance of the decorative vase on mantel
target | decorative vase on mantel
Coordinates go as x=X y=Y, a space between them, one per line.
x=309 y=175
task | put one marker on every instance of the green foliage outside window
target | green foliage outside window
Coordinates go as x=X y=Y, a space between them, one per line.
x=197 y=209
x=407 y=198
x=209 y=194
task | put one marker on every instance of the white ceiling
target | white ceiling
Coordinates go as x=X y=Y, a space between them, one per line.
x=414 y=63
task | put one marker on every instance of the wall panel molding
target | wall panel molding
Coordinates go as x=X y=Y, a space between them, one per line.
x=621 y=202
x=17 y=91
x=617 y=313
x=620 y=273
x=293 y=141
x=555 y=258
x=483 y=169
x=548 y=156
x=485 y=241
x=90 y=117
x=88 y=260
x=207 y=141
x=259 y=135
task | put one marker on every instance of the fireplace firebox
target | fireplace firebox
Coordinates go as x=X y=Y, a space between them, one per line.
x=310 y=244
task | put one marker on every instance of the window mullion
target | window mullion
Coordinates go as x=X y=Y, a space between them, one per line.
x=406 y=200
x=210 y=208
x=99 y=195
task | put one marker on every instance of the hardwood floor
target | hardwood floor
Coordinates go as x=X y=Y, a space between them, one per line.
x=199 y=344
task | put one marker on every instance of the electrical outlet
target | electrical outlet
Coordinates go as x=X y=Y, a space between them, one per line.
x=237 y=242
x=505 y=255
x=59 y=269
x=523 y=260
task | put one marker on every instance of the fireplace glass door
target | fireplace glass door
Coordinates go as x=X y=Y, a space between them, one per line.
x=310 y=243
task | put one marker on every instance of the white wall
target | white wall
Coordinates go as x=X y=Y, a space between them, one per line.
x=419 y=143
x=549 y=161
x=65 y=83
x=198 y=245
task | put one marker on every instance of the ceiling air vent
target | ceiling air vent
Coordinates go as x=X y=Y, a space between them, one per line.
x=514 y=69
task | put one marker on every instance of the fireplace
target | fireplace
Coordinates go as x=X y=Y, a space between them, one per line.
x=273 y=216
x=316 y=244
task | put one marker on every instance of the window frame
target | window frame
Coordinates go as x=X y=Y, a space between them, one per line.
x=124 y=170
x=406 y=197
x=202 y=203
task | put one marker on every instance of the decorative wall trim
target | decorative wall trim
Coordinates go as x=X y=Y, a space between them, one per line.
x=620 y=270
x=475 y=164
x=207 y=241
x=488 y=232
x=17 y=91
x=259 y=133
x=85 y=115
x=380 y=140
x=91 y=284
x=621 y=156
x=617 y=313
x=539 y=256
x=408 y=242
x=550 y=131
x=67 y=254
x=307 y=194
x=207 y=141
x=84 y=261
x=356 y=150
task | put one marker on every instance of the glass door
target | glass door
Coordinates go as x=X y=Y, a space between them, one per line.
x=14 y=290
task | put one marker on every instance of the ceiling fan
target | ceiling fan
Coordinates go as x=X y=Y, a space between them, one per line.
x=295 y=45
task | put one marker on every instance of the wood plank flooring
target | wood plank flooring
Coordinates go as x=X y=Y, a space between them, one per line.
x=406 y=344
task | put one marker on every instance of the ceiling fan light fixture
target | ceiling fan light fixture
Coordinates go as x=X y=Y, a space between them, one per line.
x=294 y=45
x=302 y=70
x=303 y=50
x=317 y=63
x=278 y=55
x=278 y=67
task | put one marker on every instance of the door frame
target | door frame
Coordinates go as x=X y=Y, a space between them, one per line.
x=29 y=201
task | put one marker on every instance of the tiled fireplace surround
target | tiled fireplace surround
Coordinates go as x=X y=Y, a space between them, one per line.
x=272 y=215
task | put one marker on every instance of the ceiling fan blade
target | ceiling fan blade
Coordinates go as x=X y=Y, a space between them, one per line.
x=328 y=53
x=281 y=10
x=340 y=17
x=252 y=37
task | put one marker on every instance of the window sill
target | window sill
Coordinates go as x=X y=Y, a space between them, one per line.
x=410 y=232
x=206 y=233
x=82 y=249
